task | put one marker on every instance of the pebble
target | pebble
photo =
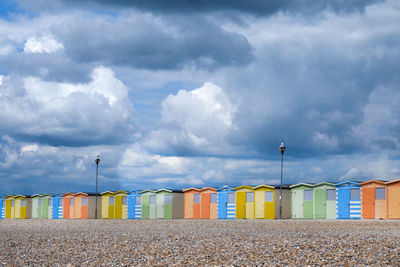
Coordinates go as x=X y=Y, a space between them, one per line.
x=198 y=242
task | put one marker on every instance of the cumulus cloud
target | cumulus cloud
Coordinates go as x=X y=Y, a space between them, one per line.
x=42 y=44
x=196 y=120
x=68 y=114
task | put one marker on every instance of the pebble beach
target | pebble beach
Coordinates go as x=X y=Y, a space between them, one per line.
x=198 y=242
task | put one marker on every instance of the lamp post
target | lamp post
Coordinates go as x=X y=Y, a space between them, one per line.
x=97 y=160
x=282 y=148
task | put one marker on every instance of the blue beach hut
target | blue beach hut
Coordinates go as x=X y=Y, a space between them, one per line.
x=226 y=202
x=348 y=200
x=2 y=207
x=134 y=205
x=57 y=208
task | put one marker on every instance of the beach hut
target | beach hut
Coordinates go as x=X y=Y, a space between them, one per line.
x=121 y=205
x=68 y=206
x=302 y=199
x=22 y=207
x=264 y=202
x=2 y=207
x=57 y=206
x=169 y=204
x=226 y=202
x=191 y=203
x=80 y=206
x=134 y=205
x=393 y=199
x=36 y=211
x=244 y=202
x=107 y=205
x=324 y=201
x=208 y=203
x=348 y=200
x=10 y=209
x=148 y=204
x=373 y=200
x=286 y=202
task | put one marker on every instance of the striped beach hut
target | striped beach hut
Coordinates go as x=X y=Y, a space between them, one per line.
x=393 y=199
x=226 y=202
x=57 y=206
x=10 y=207
x=373 y=200
x=22 y=207
x=348 y=200
x=244 y=202
x=208 y=203
x=134 y=205
x=324 y=201
x=148 y=204
x=169 y=204
x=107 y=205
x=2 y=207
x=302 y=197
x=191 y=203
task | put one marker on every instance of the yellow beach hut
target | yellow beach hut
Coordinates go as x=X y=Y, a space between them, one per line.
x=22 y=207
x=264 y=202
x=107 y=205
x=10 y=209
x=244 y=202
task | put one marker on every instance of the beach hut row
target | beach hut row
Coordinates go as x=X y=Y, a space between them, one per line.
x=373 y=199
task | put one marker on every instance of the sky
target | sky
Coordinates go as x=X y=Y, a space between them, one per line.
x=176 y=94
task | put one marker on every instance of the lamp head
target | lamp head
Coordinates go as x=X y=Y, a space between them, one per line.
x=97 y=160
x=282 y=148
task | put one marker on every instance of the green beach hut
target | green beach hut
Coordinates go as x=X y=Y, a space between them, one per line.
x=169 y=204
x=324 y=201
x=149 y=206
x=302 y=201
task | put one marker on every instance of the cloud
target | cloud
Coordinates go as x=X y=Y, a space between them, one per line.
x=259 y=8
x=196 y=121
x=68 y=114
x=42 y=44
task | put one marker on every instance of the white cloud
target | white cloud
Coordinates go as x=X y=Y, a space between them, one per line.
x=94 y=110
x=45 y=43
x=197 y=120
x=29 y=148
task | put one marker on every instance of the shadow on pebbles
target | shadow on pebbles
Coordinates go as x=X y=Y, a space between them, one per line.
x=198 y=242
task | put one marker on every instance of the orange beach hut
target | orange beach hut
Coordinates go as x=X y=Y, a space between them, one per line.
x=208 y=203
x=80 y=206
x=191 y=203
x=393 y=199
x=373 y=200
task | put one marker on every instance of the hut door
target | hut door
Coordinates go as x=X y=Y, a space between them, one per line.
x=205 y=205
x=152 y=207
x=259 y=204
x=298 y=204
x=8 y=209
x=118 y=207
x=368 y=203
x=343 y=203
x=320 y=203
x=196 y=206
x=241 y=205
x=188 y=205
x=308 y=204
x=160 y=206
x=222 y=205
x=394 y=202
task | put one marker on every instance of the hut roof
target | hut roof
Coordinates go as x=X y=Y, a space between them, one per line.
x=208 y=188
x=107 y=192
x=225 y=187
x=148 y=191
x=263 y=186
x=323 y=183
x=348 y=182
x=394 y=181
x=374 y=181
x=244 y=186
x=191 y=188
x=301 y=184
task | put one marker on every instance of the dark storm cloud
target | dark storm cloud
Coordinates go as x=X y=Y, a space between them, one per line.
x=153 y=43
x=255 y=7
